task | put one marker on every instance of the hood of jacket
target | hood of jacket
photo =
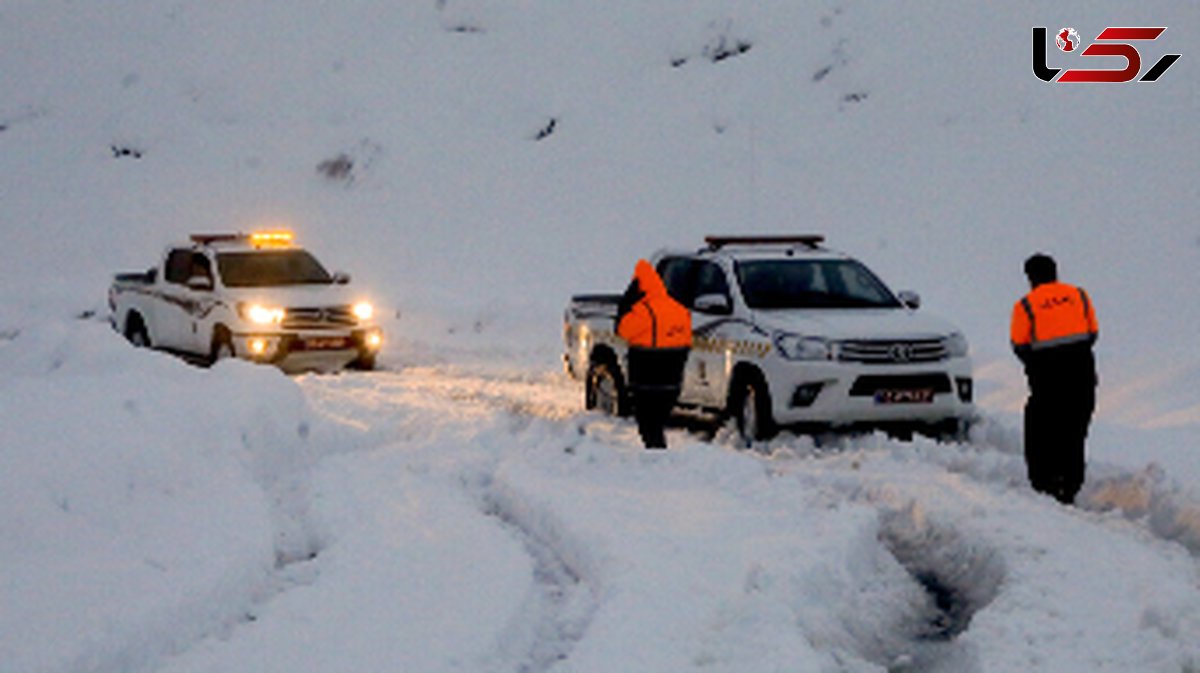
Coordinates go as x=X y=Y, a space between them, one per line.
x=648 y=279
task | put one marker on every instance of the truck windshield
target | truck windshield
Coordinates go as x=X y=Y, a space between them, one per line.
x=793 y=283
x=269 y=269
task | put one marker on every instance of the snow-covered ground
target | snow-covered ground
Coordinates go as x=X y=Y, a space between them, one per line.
x=457 y=511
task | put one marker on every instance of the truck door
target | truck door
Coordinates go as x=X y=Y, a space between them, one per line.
x=196 y=336
x=688 y=280
x=179 y=307
x=169 y=316
x=711 y=307
x=678 y=275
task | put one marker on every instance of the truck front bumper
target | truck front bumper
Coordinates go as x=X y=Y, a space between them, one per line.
x=307 y=351
x=840 y=394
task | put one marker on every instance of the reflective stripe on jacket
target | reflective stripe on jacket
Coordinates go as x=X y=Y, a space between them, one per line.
x=656 y=320
x=1053 y=314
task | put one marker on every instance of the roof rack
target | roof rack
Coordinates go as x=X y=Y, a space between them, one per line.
x=812 y=241
x=206 y=239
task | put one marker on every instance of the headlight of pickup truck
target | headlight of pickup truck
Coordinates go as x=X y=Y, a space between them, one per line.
x=796 y=347
x=956 y=345
x=261 y=315
x=363 y=311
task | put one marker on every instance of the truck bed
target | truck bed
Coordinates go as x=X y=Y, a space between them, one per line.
x=137 y=278
x=587 y=306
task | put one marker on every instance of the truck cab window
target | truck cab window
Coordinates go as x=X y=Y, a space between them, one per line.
x=201 y=266
x=677 y=274
x=811 y=284
x=178 y=267
x=271 y=269
x=687 y=279
x=710 y=279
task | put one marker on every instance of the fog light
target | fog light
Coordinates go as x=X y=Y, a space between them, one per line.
x=966 y=390
x=806 y=394
x=258 y=347
x=374 y=340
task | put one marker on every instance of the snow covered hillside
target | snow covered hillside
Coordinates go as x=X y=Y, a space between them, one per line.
x=477 y=161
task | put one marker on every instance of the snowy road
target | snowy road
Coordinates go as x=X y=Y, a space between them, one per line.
x=480 y=523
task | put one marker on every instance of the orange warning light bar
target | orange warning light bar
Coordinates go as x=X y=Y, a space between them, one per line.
x=277 y=238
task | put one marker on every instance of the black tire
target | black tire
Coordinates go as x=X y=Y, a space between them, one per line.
x=136 y=332
x=605 y=389
x=363 y=363
x=952 y=431
x=750 y=409
x=222 y=346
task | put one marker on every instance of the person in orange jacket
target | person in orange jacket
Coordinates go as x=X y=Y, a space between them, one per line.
x=1053 y=330
x=659 y=332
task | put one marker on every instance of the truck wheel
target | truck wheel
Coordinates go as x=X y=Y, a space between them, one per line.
x=750 y=407
x=222 y=347
x=363 y=363
x=952 y=431
x=605 y=391
x=136 y=332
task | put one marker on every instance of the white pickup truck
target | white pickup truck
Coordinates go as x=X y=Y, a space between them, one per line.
x=255 y=296
x=789 y=333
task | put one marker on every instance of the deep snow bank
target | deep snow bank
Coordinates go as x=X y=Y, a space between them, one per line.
x=143 y=503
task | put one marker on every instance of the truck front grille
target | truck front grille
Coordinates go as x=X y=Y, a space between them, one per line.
x=890 y=352
x=319 y=318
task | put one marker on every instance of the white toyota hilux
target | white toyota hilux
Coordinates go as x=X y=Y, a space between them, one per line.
x=789 y=333
x=256 y=296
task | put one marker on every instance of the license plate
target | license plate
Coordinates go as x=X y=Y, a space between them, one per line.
x=911 y=396
x=326 y=343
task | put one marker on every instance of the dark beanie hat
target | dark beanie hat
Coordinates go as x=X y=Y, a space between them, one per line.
x=1041 y=269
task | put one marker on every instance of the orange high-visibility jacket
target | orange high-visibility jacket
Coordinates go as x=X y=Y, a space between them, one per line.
x=1053 y=314
x=656 y=320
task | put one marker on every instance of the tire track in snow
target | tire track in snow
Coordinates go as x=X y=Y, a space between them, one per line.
x=950 y=584
x=958 y=537
x=954 y=574
x=412 y=404
x=281 y=464
x=564 y=598
x=960 y=577
x=1146 y=497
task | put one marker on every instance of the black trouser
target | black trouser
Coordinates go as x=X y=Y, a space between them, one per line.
x=1057 y=416
x=652 y=407
x=655 y=378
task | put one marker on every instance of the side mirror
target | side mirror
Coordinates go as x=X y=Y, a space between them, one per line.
x=713 y=304
x=910 y=299
x=200 y=283
x=340 y=278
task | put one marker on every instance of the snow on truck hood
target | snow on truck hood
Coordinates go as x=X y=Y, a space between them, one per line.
x=842 y=324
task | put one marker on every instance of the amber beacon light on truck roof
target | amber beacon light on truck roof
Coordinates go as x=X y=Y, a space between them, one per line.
x=268 y=238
